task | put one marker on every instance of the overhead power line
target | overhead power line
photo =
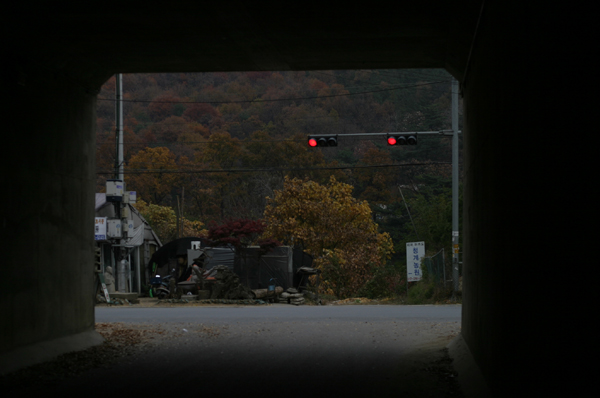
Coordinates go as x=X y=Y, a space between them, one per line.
x=171 y=171
x=240 y=142
x=378 y=73
x=278 y=99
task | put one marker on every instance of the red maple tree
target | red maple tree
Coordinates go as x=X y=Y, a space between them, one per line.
x=240 y=233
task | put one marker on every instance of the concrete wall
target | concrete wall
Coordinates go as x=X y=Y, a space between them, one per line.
x=526 y=156
x=48 y=210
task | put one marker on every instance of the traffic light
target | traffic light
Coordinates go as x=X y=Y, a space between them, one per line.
x=322 y=140
x=402 y=139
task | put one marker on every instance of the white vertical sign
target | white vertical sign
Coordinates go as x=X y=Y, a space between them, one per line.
x=415 y=251
x=100 y=230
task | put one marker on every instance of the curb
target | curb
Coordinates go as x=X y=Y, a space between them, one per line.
x=470 y=378
x=44 y=351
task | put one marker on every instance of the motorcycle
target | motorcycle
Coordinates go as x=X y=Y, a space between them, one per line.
x=160 y=286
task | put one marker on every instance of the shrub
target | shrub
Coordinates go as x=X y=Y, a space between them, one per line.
x=387 y=281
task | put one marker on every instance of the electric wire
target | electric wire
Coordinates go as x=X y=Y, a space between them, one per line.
x=239 y=142
x=254 y=170
x=258 y=100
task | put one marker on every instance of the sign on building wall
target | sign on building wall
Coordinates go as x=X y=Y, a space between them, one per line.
x=415 y=251
x=100 y=231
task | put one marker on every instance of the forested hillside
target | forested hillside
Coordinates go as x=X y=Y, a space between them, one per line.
x=226 y=141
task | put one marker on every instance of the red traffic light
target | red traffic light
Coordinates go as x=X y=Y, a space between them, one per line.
x=322 y=140
x=402 y=139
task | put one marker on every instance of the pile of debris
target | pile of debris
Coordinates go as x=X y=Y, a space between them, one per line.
x=227 y=285
x=354 y=300
x=292 y=296
x=113 y=300
x=223 y=301
x=177 y=301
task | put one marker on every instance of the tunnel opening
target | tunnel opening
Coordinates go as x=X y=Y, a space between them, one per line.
x=206 y=148
x=188 y=137
x=254 y=113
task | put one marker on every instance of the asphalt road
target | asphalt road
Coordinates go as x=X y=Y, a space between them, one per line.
x=281 y=313
x=280 y=350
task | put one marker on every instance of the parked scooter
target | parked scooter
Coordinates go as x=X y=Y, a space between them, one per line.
x=160 y=286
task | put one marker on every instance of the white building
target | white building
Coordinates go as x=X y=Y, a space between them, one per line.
x=141 y=243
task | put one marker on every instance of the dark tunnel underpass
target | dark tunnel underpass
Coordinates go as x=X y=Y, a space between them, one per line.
x=527 y=161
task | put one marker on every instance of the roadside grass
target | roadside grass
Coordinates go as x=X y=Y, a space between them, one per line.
x=419 y=293
x=427 y=292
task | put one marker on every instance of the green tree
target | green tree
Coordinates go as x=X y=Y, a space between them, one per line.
x=431 y=208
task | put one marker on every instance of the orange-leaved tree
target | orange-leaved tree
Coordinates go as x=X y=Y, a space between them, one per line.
x=332 y=226
x=151 y=174
x=163 y=221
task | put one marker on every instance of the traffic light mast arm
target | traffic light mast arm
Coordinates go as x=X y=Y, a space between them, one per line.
x=439 y=132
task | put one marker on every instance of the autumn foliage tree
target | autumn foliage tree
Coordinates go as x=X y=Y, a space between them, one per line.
x=374 y=183
x=152 y=183
x=331 y=225
x=240 y=233
x=163 y=221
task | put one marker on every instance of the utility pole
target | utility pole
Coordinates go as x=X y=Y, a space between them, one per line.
x=455 y=232
x=119 y=128
x=120 y=252
x=121 y=225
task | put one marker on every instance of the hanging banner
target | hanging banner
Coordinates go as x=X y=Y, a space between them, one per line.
x=100 y=230
x=415 y=251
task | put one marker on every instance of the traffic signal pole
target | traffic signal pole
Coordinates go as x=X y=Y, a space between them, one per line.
x=313 y=142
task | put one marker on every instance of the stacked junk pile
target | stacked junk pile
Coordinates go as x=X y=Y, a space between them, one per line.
x=187 y=269
x=292 y=296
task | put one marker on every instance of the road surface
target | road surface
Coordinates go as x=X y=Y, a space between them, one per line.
x=277 y=350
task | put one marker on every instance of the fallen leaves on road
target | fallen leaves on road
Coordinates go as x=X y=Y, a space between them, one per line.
x=120 y=341
x=119 y=335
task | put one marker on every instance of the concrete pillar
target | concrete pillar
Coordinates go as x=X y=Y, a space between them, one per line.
x=526 y=157
x=48 y=209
